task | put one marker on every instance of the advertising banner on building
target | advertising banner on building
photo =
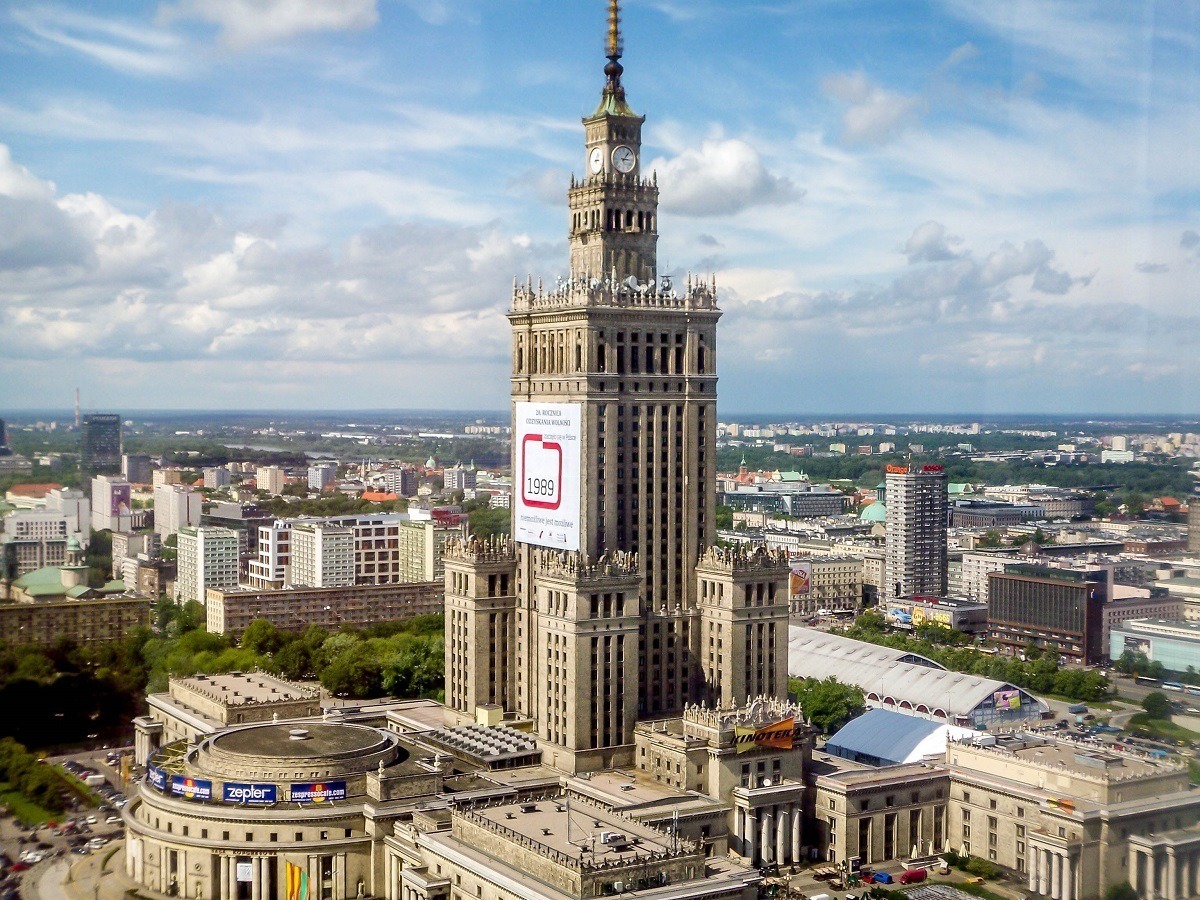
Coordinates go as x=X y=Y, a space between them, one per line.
x=317 y=792
x=800 y=579
x=118 y=500
x=236 y=792
x=1007 y=699
x=191 y=788
x=156 y=777
x=776 y=736
x=547 y=484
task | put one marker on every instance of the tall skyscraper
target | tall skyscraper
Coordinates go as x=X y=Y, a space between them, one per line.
x=917 y=505
x=100 y=444
x=598 y=613
x=1193 y=529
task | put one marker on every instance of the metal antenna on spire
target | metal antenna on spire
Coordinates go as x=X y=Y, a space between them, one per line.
x=614 y=68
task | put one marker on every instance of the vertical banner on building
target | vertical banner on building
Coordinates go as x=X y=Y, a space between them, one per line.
x=546 y=447
x=800 y=579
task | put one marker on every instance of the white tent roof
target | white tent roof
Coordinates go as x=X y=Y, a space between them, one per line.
x=894 y=677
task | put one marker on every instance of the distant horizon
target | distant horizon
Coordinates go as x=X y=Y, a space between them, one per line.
x=773 y=417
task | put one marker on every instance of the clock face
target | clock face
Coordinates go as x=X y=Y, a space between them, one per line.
x=596 y=160
x=624 y=159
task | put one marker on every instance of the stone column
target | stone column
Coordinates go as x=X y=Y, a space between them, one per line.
x=748 y=847
x=256 y=879
x=1043 y=871
x=265 y=863
x=796 y=823
x=1032 y=857
x=782 y=836
x=1055 y=877
x=767 y=838
x=1068 y=885
x=221 y=888
x=1172 y=891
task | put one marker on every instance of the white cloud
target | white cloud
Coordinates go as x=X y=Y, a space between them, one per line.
x=718 y=178
x=930 y=243
x=873 y=114
x=247 y=23
x=125 y=46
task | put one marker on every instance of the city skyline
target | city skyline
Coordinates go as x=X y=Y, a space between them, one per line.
x=905 y=208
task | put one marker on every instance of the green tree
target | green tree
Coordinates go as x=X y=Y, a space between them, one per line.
x=724 y=518
x=1157 y=705
x=829 y=704
x=1122 y=890
x=991 y=538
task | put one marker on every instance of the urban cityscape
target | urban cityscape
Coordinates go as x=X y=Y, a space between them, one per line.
x=600 y=628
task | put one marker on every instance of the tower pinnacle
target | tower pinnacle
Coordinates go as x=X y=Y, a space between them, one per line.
x=614 y=68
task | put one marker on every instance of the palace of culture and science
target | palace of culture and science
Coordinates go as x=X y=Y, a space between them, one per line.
x=642 y=615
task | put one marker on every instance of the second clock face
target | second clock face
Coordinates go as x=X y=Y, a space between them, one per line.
x=596 y=160
x=624 y=159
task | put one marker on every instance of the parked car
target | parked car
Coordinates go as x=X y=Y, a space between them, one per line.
x=881 y=878
x=913 y=876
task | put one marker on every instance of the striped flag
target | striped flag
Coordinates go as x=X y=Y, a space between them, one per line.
x=297 y=882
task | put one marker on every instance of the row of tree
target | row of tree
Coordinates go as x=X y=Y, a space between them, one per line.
x=39 y=783
x=69 y=694
x=1041 y=675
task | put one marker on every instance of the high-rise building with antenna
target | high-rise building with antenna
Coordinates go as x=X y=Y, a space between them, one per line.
x=611 y=604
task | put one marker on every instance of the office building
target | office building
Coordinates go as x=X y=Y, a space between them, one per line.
x=167 y=477
x=131 y=545
x=822 y=584
x=270 y=479
x=401 y=482
x=614 y=376
x=459 y=478
x=231 y=610
x=207 y=558
x=422 y=546
x=216 y=477
x=1050 y=608
x=100 y=445
x=322 y=555
x=137 y=469
x=1193 y=529
x=112 y=509
x=1173 y=642
x=377 y=556
x=35 y=538
x=321 y=476
x=175 y=507
x=916 y=531
x=5 y=449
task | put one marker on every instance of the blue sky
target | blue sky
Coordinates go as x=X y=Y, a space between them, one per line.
x=928 y=206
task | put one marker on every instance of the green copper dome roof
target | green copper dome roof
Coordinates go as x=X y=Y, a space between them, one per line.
x=876 y=512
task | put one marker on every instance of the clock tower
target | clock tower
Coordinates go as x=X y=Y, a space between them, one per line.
x=614 y=210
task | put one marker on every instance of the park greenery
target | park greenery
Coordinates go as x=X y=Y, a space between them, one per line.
x=827 y=704
x=1132 y=662
x=38 y=784
x=71 y=693
x=1039 y=672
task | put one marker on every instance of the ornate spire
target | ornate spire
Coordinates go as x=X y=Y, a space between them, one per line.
x=614 y=68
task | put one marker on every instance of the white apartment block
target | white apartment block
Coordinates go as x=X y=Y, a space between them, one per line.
x=111 y=508
x=376 y=549
x=270 y=479
x=459 y=478
x=916 y=561
x=208 y=558
x=216 y=478
x=321 y=555
x=975 y=569
x=321 y=476
x=422 y=545
x=39 y=537
x=175 y=507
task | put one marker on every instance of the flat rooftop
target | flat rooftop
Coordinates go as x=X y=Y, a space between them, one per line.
x=571 y=825
x=627 y=788
x=236 y=688
x=1081 y=758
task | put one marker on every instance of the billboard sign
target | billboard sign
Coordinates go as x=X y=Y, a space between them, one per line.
x=1007 y=699
x=776 y=736
x=547 y=489
x=238 y=792
x=118 y=500
x=317 y=792
x=191 y=788
x=800 y=579
x=156 y=777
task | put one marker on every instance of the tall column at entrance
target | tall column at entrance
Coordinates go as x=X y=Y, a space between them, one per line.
x=256 y=879
x=1055 y=876
x=768 y=824
x=748 y=851
x=1067 y=882
x=1172 y=875
x=782 y=837
x=1043 y=871
x=1033 y=870
x=796 y=834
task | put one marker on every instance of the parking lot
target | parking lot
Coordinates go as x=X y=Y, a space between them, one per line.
x=27 y=849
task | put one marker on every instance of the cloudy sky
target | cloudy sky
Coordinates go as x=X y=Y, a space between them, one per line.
x=955 y=206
